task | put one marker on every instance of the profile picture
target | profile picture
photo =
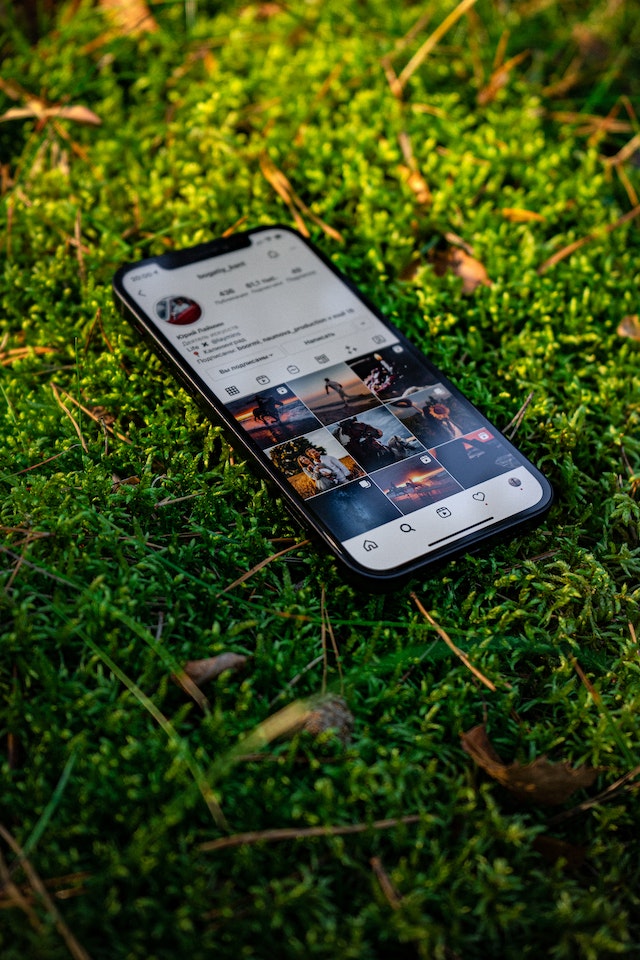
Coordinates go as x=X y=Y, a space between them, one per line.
x=178 y=310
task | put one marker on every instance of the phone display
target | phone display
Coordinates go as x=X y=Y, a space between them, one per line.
x=369 y=443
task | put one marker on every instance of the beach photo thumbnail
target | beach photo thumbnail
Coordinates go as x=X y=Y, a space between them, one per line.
x=314 y=463
x=416 y=483
x=334 y=393
x=273 y=415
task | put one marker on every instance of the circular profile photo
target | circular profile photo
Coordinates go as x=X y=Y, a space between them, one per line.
x=178 y=310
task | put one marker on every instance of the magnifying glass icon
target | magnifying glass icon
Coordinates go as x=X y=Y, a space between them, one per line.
x=407 y=528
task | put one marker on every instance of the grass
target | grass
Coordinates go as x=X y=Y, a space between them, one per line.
x=135 y=539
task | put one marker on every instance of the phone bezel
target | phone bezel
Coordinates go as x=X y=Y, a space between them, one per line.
x=216 y=410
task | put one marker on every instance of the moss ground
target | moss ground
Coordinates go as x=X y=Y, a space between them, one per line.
x=109 y=586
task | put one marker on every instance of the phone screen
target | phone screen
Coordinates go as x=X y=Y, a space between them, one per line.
x=386 y=457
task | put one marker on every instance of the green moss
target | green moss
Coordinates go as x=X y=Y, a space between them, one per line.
x=96 y=572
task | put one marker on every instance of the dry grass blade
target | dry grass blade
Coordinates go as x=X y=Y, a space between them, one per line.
x=95 y=418
x=518 y=215
x=263 y=563
x=67 y=412
x=391 y=895
x=38 y=109
x=628 y=186
x=626 y=153
x=512 y=427
x=295 y=833
x=499 y=78
x=20 y=353
x=449 y=642
x=12 y=896
x=603 y=232
x=432 y=41
x=75 y=949
x=609 y=793
x=296 y=205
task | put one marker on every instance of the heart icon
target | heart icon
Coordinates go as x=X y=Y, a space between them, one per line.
x=478 y=496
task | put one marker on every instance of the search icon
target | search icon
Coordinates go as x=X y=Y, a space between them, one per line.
x=407 y=528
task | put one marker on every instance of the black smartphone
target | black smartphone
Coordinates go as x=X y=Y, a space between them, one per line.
x=368 y=443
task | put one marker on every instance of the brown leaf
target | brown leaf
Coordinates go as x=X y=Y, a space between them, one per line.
x=42 y=111
x=539 y=782
x=130 y=16
x=202 y=671
x=629 y=326
x=517 y=215
x=472 y=273
x=330 y=713
x=119 y=482
x=417 y=184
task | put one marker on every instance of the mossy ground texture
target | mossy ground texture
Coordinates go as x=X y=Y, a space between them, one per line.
x=126 y=517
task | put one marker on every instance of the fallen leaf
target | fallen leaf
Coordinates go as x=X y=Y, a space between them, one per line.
x=119 y=482
x=130 y=16
x=517 y=215
x=102 y=415
x=629 y=326
x=330 y=713
x=416 y=183
x=42 y=111
x=202 y=671
x=472 y=273
x=539 y=782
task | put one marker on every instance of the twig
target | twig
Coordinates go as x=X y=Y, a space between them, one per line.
x=234 y=226
x=603 y=232
x=34 y=566
x=514 y=424
x=421 y=55
x=295 y=833
x=42 y=462
x=298 y=677
x=449 y=642
x=263 y=563
x=627 y=151
x=168 y=500
x=77 y=952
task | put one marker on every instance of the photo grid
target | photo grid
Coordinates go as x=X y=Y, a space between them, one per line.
x=371 y=439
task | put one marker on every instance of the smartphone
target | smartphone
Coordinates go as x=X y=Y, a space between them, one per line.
x=368 y=443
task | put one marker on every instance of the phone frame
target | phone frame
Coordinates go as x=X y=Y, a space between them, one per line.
x=216 y=411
